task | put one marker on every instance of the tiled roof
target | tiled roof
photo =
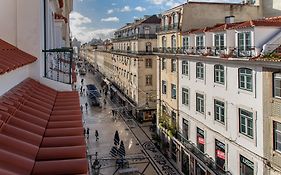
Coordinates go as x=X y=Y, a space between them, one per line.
x=12 y=58
x=41 y=131
x=273 y=21
x=260 y=22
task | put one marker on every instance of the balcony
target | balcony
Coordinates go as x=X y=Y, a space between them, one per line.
x=58 y=64
x=135 y=36
x=169 y=27
x=199 y=155
x=222 y=52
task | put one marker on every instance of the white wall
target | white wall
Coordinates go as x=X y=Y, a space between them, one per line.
x=11 y=79
x=234 y=98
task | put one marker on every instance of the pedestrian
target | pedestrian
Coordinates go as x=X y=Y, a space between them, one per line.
x=81 y=107
x=81 y=88
x=97 y=135
x=82 y=81
x=112 y=112
x=84 y=91
x=86 y=106
x=88 y=131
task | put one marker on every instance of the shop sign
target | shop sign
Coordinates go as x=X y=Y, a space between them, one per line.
x=221 y=154
x=201 y=140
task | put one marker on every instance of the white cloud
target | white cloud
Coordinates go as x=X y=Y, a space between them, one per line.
x=83 y=33
x=168 y=3
x=110 y=11
x=110 y=19
x=126 y=9
x=140 y=9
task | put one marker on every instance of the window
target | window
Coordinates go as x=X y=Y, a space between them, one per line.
x=148 y=47
x=164 y=42
x=277 y=85
x=163 y=63
x=173 y=91
x=175 y=20
x=200 y=103
x=173 y=42
x=246 y=166
x=185 y=96
x=200 y=139
x=219 y=74
x=185 y=128
x=244 y=41
x=246 y=123
x=219 y=111
x=200 y=70
x=220 y=154
x=245 y=79
x=148 y=80
x=185 y=42
x=148 y=63
x=164 y=87
x=174 y=117
x=200 y=42
x=219 y=41
x=184 y=67
x=277 y=136
x=173 y=65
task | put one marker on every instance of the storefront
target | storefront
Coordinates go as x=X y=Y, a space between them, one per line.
x=200 y=140
x=185 y=162
x=246 y=166
x=220 y=154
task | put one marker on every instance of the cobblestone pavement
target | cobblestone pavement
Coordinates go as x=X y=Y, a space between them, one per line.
x=140 y=151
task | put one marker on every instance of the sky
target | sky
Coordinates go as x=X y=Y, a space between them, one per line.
x=100 y=18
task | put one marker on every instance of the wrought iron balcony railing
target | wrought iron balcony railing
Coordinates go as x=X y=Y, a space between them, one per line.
x=222 y=52
x=174 y=26
x=58 y=64
x=208 y=161
x=135 y=36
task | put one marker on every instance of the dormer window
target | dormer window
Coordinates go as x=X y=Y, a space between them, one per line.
x=199 y=41
x=219 y=41
x=244 y=43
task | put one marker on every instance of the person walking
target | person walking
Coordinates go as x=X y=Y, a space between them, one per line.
x=86 y=106
x=81 y=107
x=87 y=132
x=97 y=135
x=113 y=112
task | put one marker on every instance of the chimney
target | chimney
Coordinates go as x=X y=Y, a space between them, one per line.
x=229 y=19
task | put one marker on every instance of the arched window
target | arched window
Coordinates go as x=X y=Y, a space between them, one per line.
x=175 y=20
x=173 y=42
x=199 y=70
x=164 y=42
x=148 y=47
x=245 y=79
x=219 y=74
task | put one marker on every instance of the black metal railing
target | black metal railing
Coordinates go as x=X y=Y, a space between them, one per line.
x=58 y=64
x=135 y=36
x=169 y=27
x=208 y=161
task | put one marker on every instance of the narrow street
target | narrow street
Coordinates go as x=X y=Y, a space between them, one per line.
x=141 y=153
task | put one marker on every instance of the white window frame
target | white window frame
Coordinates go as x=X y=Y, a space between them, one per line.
x=277 y=131
x=199 y=41
x=221 y=111
x=245 y=79
x=185 y=96
x=220 y=43
x=246 y=119
x=184 y=64
x=173 y=65
x=219 y=74
x=277 y=79
x=173 y=91
x=200 y=70
x=200 y=103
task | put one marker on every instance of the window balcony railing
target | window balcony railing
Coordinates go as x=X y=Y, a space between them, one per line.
x=222 y=52
x=135 y=36
x=58 y=64
x=141 y=52
x=169 y=27
x=204 y=158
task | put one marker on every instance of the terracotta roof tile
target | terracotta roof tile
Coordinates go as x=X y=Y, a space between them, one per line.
x=12 y=58
x=38 y=126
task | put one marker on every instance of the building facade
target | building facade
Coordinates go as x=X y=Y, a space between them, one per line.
x=211 y=108
x=130 y=65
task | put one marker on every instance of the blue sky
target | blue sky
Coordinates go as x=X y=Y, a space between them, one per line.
x=99 y=18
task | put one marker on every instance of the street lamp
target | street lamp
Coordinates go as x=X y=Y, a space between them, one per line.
x=96 y=165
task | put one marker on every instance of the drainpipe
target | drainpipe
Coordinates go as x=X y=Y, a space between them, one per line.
x=45 y=39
